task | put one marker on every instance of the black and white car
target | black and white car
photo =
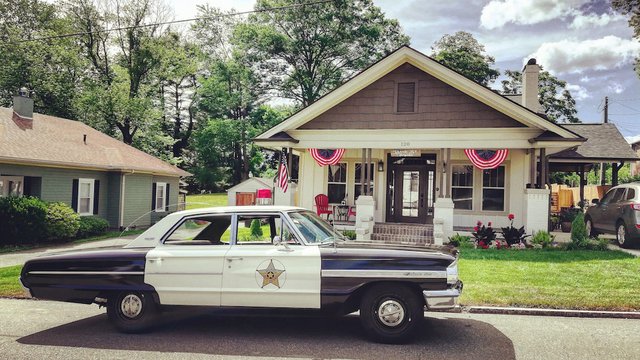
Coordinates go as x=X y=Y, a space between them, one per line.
x=253 y=257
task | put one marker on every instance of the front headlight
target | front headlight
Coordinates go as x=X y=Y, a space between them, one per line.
x=452 y=273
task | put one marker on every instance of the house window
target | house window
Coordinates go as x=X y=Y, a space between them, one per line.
x=11 y=186
x=85 y=196
x=337 y=183
x=161 y=196
x=356 y=190
x=406 y=97
x=493 y=189
x=462 y=186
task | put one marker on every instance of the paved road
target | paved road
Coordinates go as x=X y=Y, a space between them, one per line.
x=40 y=329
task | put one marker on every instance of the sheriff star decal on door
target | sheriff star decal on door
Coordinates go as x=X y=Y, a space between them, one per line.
x=270 y=274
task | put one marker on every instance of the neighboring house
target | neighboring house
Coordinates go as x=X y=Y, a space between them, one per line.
x=64 y=160
x=635 y=166
x=245 y=192
x=410 y=119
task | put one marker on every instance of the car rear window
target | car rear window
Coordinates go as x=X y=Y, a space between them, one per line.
x=631 y=194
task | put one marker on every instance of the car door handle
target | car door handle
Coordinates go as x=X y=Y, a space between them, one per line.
x=157 y=260
x=230 y=259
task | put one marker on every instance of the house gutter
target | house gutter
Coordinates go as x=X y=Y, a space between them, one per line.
x=122 y=190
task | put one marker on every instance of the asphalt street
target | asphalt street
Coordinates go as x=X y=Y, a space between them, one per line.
x=32 y=329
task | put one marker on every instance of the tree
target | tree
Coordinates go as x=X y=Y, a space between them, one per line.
x=631 y=8
x=555 y=98
x=463 y=53
x=50 y=68
x=305 y=51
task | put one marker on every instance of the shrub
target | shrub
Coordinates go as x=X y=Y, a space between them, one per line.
x=542 y=238
x=256 y=228
x=22 y=220
x=92 y=226
x=62 y=222
x=483 y=235
x=513 y=235
x=457 y=240
x=579 y=236
x=349 y=234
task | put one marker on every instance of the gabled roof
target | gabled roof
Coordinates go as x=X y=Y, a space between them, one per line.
x=56 y=142
x=267 y=183
x=406 y=54
x=604 y=142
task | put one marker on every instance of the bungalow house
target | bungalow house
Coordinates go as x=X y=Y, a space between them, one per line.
x=62 y=160
x=425 y=145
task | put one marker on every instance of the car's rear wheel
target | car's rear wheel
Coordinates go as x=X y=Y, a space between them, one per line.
x=391 y=313
x=132 y=312
x=591 y=231
x=622 y=235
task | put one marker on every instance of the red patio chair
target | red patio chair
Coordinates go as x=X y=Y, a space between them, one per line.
x=352 y=211
x=322 y=205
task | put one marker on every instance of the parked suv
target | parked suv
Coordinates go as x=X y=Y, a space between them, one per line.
x=617 y=213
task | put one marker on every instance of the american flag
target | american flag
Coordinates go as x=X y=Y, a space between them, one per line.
x=283 y=176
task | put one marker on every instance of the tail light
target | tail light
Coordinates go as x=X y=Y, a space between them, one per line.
x=636 y=206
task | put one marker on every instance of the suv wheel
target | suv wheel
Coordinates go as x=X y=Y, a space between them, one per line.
x=621 y=235
x=591 y=231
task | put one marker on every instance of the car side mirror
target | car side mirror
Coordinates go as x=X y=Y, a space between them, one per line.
x=277 y=241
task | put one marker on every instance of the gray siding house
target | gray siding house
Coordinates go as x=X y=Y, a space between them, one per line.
x=64 y=160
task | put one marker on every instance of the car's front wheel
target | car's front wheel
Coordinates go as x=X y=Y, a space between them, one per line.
x=391 y=313
x=591 y=231
x=132 y=312
x=621 y=235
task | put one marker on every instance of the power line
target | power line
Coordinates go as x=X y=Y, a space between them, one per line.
x=100 y=31
x=627 y=106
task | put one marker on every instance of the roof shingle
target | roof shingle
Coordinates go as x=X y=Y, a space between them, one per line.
x=604 y=142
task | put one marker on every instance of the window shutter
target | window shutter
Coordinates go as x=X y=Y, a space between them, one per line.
x=406 y=97
x=166 y=198
x=74 y=195
x=153 y=197
x=96 y=197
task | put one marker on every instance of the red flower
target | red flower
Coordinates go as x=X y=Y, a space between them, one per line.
x=489 y=224
x=479 y=223
x=481 y=243
x=475 y=228
x=485 y=246
x=511 y=216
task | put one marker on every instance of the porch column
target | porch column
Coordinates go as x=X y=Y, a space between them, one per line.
x=615 y=168
x=581 y=173
x=365 y=204
x=443 y=206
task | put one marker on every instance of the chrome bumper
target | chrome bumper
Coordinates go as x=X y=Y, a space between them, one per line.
x=438 y=300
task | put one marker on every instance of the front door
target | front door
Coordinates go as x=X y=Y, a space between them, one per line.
x=410 y=190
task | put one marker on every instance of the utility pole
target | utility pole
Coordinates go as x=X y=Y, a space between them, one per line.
x=606 y=109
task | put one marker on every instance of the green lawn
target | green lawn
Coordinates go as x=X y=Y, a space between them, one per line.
x=206 y=200
x=9 y=285
x=551 y=278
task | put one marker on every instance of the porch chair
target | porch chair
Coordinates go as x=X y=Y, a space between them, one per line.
x=322 y=205
x=352 y=211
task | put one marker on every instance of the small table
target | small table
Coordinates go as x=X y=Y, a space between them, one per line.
x=341 y=212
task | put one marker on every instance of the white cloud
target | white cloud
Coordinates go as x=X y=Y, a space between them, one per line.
x=582 y=21
x=615 y=87
x=497 y=13
x=632 y=139
x=578 y=92
x=574 y=56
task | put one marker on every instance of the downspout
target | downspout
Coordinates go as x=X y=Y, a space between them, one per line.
x=122 y=190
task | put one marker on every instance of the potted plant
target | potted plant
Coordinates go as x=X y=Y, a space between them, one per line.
x=566 y=218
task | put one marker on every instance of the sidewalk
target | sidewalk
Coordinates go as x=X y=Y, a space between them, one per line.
x=563 y=237
x=20 y=257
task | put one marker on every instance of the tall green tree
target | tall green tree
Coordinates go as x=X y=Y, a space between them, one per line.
x=632 y=9
x=51 y=68
x=555 y=98
x=305 y=51
x=463 y=53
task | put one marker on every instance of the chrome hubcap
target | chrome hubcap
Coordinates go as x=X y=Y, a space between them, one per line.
x=391 y=313
x=621 y=234
x=131 y=306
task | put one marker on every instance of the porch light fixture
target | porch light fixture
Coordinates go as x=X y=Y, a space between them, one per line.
x=380 y=166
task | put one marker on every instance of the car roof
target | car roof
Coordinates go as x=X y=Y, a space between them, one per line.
x=236 y=209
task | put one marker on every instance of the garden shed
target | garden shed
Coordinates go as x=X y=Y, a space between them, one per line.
x=245 y=192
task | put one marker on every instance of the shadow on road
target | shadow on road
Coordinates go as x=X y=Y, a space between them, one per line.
x=310 y=337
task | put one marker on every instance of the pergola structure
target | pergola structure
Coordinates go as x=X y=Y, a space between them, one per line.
x=605 y=144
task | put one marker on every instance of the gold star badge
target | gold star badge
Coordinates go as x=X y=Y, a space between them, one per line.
x=270 y=275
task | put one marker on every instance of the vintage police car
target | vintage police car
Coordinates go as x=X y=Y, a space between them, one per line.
x=253 y=257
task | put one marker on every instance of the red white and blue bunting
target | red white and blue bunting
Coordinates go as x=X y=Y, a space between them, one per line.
x=486 y=159
x=327 y=156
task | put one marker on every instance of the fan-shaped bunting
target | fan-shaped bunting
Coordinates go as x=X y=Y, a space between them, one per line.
x=486 y=159
x=327 y=156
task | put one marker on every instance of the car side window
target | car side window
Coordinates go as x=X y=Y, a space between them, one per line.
x=262 y=229
x=203 y=230
x=608 y=197
x=631 y=194
x=619 y=195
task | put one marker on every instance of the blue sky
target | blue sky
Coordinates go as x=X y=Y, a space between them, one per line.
x=580 y=41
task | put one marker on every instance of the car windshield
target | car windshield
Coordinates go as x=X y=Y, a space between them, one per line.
x=313 y=228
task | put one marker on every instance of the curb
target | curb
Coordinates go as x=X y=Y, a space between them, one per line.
x=553 y=312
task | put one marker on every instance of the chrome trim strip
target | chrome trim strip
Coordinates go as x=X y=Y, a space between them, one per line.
x=182 y=273
x=86 y=272
x=410 y=274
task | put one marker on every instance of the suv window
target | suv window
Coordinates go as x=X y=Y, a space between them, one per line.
x=202 y=230
x=619 y=195
x=631 y=194
x=608 y=197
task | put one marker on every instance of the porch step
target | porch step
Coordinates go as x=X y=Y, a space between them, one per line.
x=403 y=233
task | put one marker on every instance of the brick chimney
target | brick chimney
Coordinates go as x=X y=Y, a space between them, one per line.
x=530 y=77
x=23 y=105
